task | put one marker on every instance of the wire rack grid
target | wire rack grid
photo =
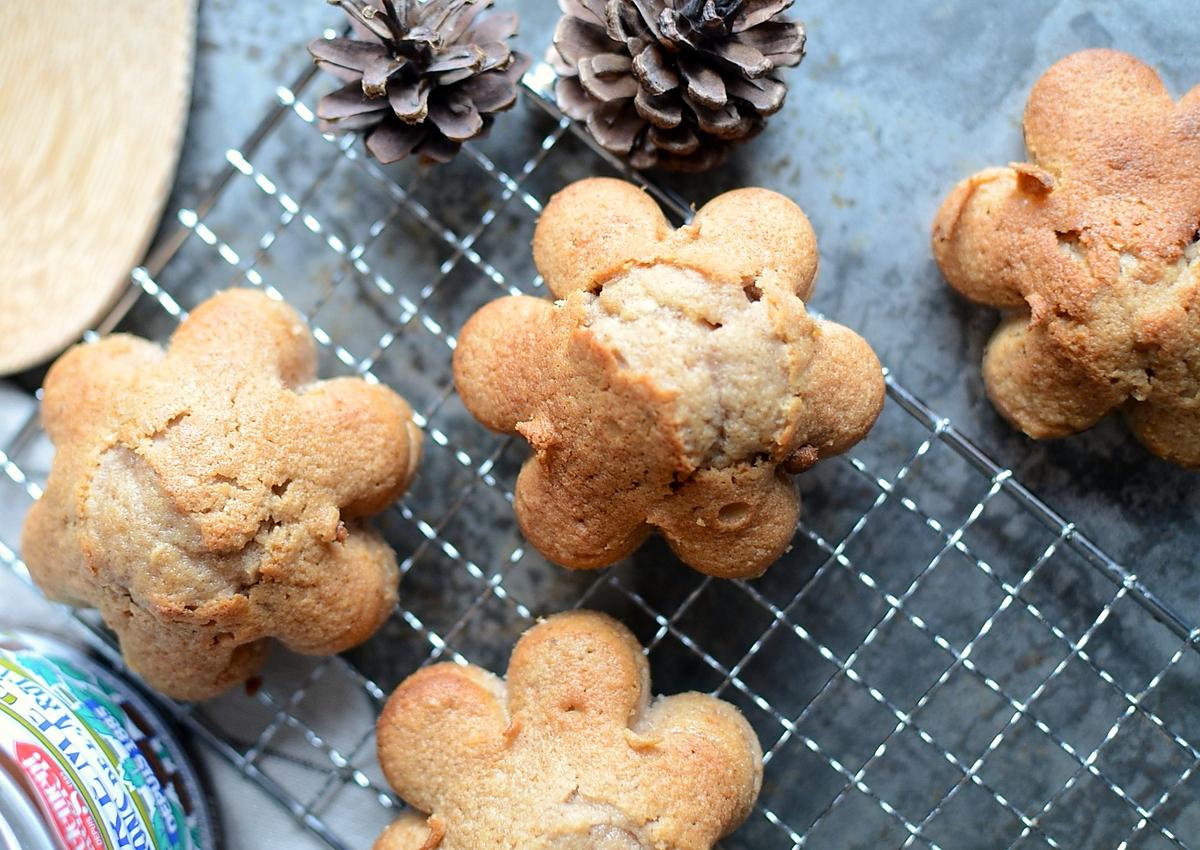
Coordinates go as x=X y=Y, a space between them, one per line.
x=940 y=661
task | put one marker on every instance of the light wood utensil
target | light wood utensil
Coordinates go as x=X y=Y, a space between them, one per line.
x=93 y=103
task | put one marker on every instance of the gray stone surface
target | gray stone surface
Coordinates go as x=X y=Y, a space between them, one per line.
x=894 y=104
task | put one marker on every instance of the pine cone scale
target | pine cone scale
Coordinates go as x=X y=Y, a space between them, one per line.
x=398 y=12
x=354 y=123
x=679 y=142
x=614 y=126
x=704 y=85
x=456 y=116
x=455 y=59
x=498 y=26
x=491 y=95
x=723 y=123
x=577 y=39
x=345 y=54
x=456 y=28
x=764 y=94
x=377 y=73
x=410 y=102
x=650 y=13
x=496 y=54
x=611 y=63
x=591 y=11
x=437 y=148
x=605 y=87
x=748 y=59
x=653 y=74
x=346 y=102
x=366 y=16
x=774 y=40
x=674 y=83
x=573 y=100
x=441 y=17
x=757 y=12
x=393 y=141
x=662 y=112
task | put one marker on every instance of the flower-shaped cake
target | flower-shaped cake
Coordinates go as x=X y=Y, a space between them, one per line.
x=674 y=384
x=570 y=753
x=1092 y=251
x=209 y=496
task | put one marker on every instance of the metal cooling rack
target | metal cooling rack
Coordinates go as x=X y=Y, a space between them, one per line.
x=941 y=660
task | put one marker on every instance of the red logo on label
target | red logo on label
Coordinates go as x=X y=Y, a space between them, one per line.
x=61 y=799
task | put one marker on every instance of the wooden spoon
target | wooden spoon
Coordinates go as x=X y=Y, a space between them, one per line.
x=93 y=103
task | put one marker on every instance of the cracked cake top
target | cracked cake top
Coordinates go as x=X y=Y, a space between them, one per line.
x=674 y=382
x=210 y=495
x=1091 y=248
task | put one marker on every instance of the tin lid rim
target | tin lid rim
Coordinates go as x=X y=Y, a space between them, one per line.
x=88 y=657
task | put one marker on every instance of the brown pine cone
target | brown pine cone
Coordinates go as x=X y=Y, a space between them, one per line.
x=673 y=83
x=426 y=76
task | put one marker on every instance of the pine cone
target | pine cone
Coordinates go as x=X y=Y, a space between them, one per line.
x=673 y=83
x=427 y=76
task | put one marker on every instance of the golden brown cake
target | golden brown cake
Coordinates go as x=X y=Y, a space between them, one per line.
x=1091 y=250
x=568 y=753
x=210 y=496
x=674 y=385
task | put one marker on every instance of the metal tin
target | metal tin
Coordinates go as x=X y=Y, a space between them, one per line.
x=88 y=763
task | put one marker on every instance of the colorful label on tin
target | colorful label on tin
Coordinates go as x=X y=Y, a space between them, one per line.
x=59 y=797
x=102 y=781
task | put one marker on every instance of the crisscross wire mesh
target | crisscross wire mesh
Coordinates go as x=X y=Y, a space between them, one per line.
x=940 y=661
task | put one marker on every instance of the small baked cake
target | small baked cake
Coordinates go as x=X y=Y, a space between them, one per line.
x=1091 y=250
x=675 y=384
x=569 y=753
x=210 y=496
